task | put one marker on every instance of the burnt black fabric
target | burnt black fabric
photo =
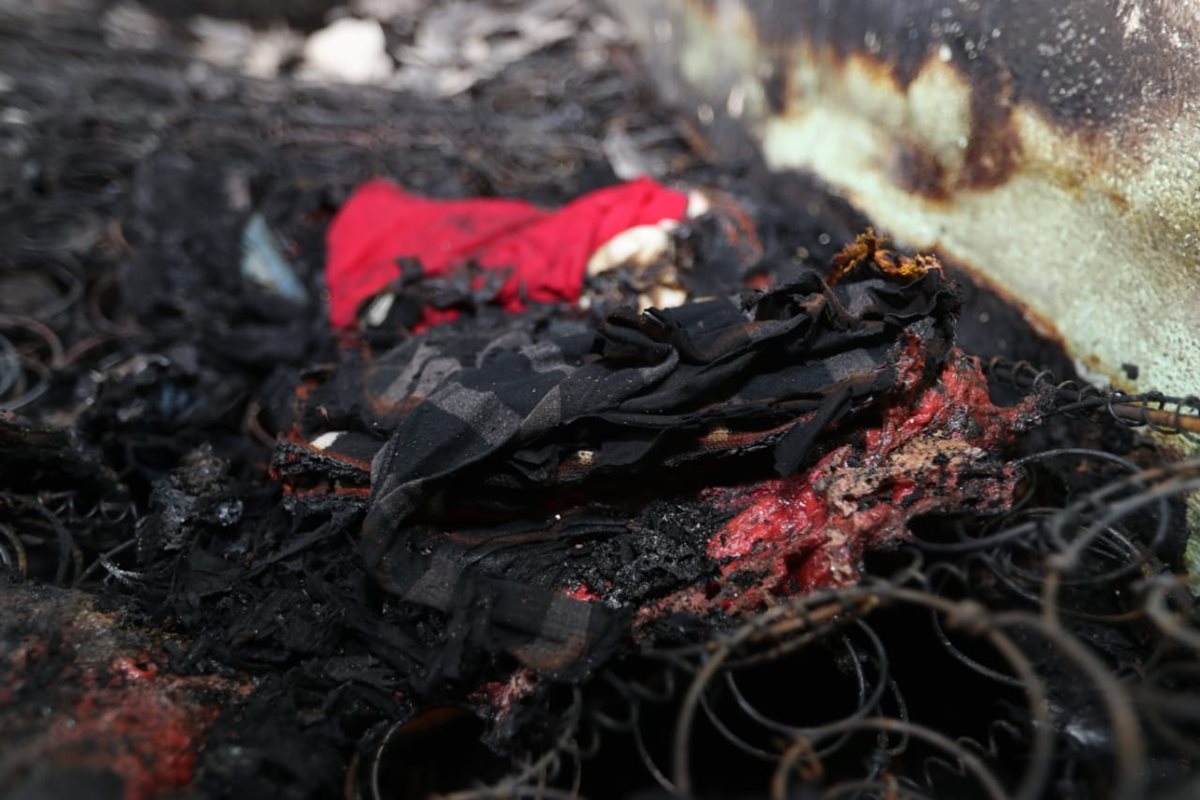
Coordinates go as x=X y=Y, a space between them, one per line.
x=472 y=423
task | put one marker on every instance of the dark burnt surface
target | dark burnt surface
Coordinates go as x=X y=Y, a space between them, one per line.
x=91 y=706
x=1083 y=62
x=991 y=327
x=137 y=171
x=140 y=176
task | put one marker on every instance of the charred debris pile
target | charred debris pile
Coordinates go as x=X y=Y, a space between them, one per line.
x=752 y=504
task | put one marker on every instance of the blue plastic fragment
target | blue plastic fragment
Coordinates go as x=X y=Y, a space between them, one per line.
x=264 y=265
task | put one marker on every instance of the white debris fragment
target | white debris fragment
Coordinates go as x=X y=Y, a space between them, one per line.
x=15 y=116
x=1097 y=379
x=127 y=25
x=380 y=307
x=325 y=440
x=463 y=42
x=348 y=50
x=640 y=246
x=235 y=45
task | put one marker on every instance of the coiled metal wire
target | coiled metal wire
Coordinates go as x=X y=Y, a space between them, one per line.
x=1020 y=603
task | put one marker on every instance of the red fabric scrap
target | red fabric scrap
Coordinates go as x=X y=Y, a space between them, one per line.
x=547 y=251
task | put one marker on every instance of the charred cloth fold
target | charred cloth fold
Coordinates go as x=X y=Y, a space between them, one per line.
x=519 y=482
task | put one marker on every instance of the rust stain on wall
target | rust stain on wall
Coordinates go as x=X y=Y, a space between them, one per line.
x=1105 y=71
x=1052 y=145
x=1084 y=63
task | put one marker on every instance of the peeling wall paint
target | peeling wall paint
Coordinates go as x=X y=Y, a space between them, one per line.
x=1051 y=145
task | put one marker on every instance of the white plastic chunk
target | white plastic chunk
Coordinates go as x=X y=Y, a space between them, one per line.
x=349 y=50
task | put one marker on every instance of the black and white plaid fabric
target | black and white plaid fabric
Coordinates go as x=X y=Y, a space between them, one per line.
x=486 y=433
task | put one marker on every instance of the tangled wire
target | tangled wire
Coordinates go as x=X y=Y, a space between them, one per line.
x=1002 y=658
x=1009 y=658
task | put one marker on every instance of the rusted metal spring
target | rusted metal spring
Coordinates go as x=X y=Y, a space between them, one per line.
x=1162 y=413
